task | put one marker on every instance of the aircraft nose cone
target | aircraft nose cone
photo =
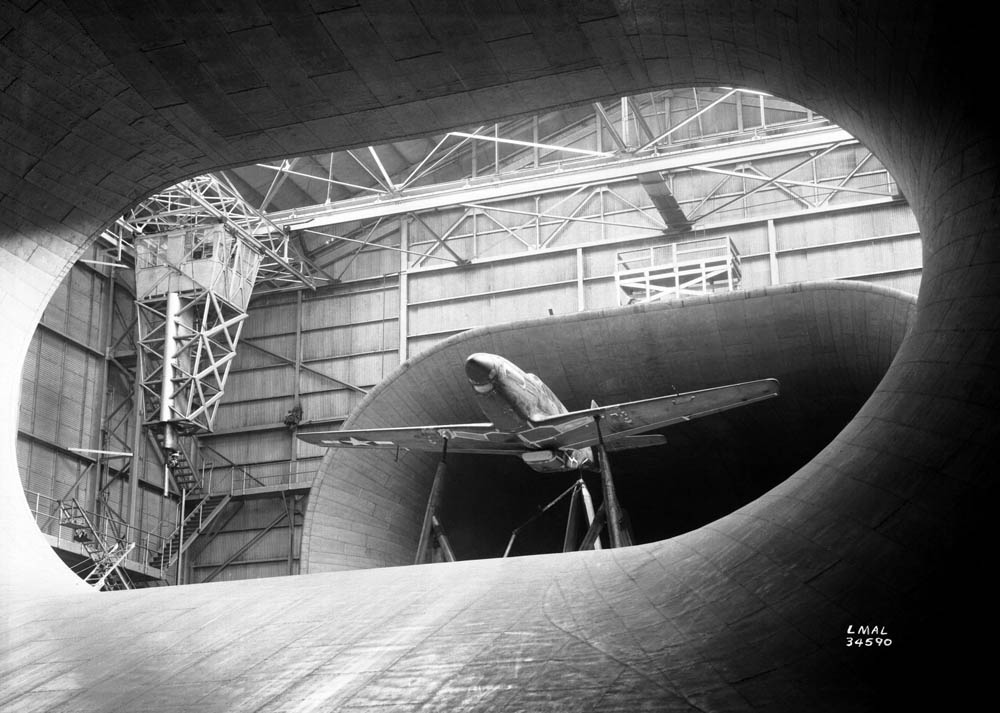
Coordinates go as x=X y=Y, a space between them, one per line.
x=480 y=368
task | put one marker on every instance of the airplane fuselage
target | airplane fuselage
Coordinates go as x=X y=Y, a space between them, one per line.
x=514 y=400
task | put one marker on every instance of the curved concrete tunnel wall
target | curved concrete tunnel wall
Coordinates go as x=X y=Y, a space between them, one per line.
x=887 y=525
x=829 y=344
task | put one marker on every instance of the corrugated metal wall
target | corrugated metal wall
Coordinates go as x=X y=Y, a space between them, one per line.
x=60 y=389
x=256 y=554
x=63 y=383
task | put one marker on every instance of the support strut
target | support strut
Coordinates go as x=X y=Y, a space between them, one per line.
x=432 y=504
x=611 y=508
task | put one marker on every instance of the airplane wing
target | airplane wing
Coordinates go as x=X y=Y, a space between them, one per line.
x=577 y=429
x=463 y=437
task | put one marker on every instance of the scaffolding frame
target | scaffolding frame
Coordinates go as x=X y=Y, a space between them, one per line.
x=676 y=270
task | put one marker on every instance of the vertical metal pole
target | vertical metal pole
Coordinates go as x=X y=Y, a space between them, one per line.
x=815 y=180
x=729 y=264
x=297 y=387
x=475 y=232
x=534 y=139
x=608 y=485
x=604 y=226
x=404 y=299
x=496 y=149
x=136 y=462
x=697 y=110
x=624 y=117
x=329 y=176
x=538 y=222
x=572 y=520
x=180 y=540
x=743 y=189
x=772 y=251
x=677 y=274
x=667 y=117
x=432 y=503
x=167 y=372
x=289 y=501
x=581 y=303
x=107 y=320
x=598 y=131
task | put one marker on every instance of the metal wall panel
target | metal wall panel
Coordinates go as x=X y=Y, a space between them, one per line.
x=599 y=294
x=266 y=382
x=250 y=414
x=258 y=447
x=492 y=277
x=262 y=320
x=349 y=339
x=756 y=273
x=360 y=370
x=329 y=404
x=368 y=262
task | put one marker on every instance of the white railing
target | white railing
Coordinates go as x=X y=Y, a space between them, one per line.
x=688 y=250
x=47 y=516
x=240 y=479
x=675 y=270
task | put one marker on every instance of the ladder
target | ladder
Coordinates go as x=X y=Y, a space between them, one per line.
x=106 y=573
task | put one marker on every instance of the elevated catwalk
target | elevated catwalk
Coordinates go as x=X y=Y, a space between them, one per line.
x=890 y=525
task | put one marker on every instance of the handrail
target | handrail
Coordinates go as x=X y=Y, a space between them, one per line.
x=241 y=480
x=45 y=510
x=676 y=269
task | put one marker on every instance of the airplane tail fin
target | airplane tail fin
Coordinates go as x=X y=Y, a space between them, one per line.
x=593 y=404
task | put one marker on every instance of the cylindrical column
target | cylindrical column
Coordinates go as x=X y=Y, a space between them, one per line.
x=167 y=372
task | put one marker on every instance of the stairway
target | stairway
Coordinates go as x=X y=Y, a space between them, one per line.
x=106 y=573
x=181 y=468
x=194 y=524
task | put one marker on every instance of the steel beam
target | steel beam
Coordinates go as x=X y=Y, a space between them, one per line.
x=664 y=201
x=380 y=247
x=769 y=181
x=694 y=117
x=587 y=172
x=531 y=144
x=760 y=176
x=442 y=240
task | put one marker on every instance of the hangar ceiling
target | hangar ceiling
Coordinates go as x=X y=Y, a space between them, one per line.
x=334 y=204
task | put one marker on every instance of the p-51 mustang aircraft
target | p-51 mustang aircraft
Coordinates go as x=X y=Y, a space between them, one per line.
x=528 y=420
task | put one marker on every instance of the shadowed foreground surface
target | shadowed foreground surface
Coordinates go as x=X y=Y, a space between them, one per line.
x=648 y=628
x=892 y=524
